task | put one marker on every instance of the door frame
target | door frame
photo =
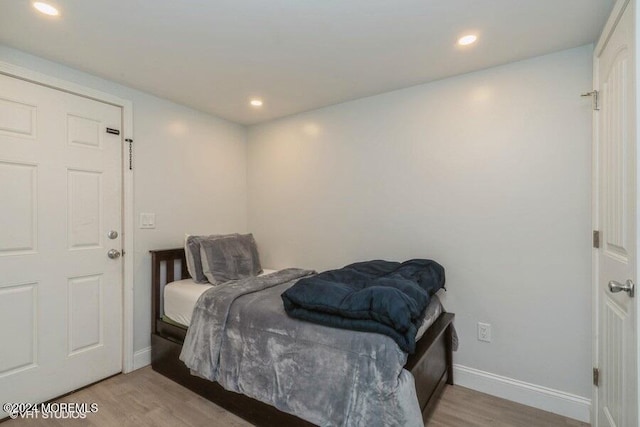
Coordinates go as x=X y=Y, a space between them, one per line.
x=126 y=106
x=616 y=14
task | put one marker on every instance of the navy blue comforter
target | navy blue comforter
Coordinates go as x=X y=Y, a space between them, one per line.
x=375 y=296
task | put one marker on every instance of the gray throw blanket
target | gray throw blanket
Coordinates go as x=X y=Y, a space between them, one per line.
x=241 y=337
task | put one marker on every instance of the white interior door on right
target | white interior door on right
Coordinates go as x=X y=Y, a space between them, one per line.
x=616 y=398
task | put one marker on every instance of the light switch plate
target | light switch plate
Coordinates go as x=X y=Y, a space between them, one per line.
x=147 y=220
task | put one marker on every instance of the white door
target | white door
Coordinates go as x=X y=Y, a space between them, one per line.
x=616 y=397
x=60 y=195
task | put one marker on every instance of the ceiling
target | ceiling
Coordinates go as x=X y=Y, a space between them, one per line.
x=297 y=55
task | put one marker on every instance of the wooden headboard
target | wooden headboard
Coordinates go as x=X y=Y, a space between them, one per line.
x=167 y=265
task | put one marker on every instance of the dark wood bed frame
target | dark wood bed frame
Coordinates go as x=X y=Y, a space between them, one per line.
x=431 y=364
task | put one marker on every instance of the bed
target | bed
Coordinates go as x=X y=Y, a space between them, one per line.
x=430 y=365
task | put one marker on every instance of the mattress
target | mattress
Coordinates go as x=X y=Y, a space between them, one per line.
x=181 y=296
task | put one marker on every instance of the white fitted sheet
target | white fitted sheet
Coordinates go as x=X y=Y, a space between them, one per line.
x=181 y=296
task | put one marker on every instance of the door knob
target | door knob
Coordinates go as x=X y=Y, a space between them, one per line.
x=629 y=287
x=113 y=254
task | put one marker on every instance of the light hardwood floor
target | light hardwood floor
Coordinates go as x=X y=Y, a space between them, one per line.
x=145 y=398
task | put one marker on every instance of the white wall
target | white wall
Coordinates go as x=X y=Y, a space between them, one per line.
x=488 y=173
x=190 y=170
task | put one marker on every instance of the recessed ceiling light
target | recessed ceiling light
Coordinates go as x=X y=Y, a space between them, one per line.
x=45 y=8
x=467 y=40
x=256 y=102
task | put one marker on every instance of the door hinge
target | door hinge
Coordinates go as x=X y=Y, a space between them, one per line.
x=595 y=99
x=130 y=142
x=596 y=377
x=596 y=239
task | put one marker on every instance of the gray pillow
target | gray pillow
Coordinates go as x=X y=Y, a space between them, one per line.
x=230 y=258
x=192 y=254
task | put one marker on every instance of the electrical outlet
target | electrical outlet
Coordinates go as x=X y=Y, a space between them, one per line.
x=484 y=332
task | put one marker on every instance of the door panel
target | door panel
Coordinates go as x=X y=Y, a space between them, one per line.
x=615 y=193
x=85 y=313
x=84 y=209
x=20 y=301
x=18 y=233
x=17 y=119
x=60 y=188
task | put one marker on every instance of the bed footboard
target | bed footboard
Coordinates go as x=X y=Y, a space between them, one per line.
x=432 y=365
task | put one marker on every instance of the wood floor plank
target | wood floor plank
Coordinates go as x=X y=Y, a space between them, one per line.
x=461 y=406
x=145 y=398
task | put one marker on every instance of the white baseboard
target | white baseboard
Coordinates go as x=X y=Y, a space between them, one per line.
x=142 y=358
x=547 y=399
